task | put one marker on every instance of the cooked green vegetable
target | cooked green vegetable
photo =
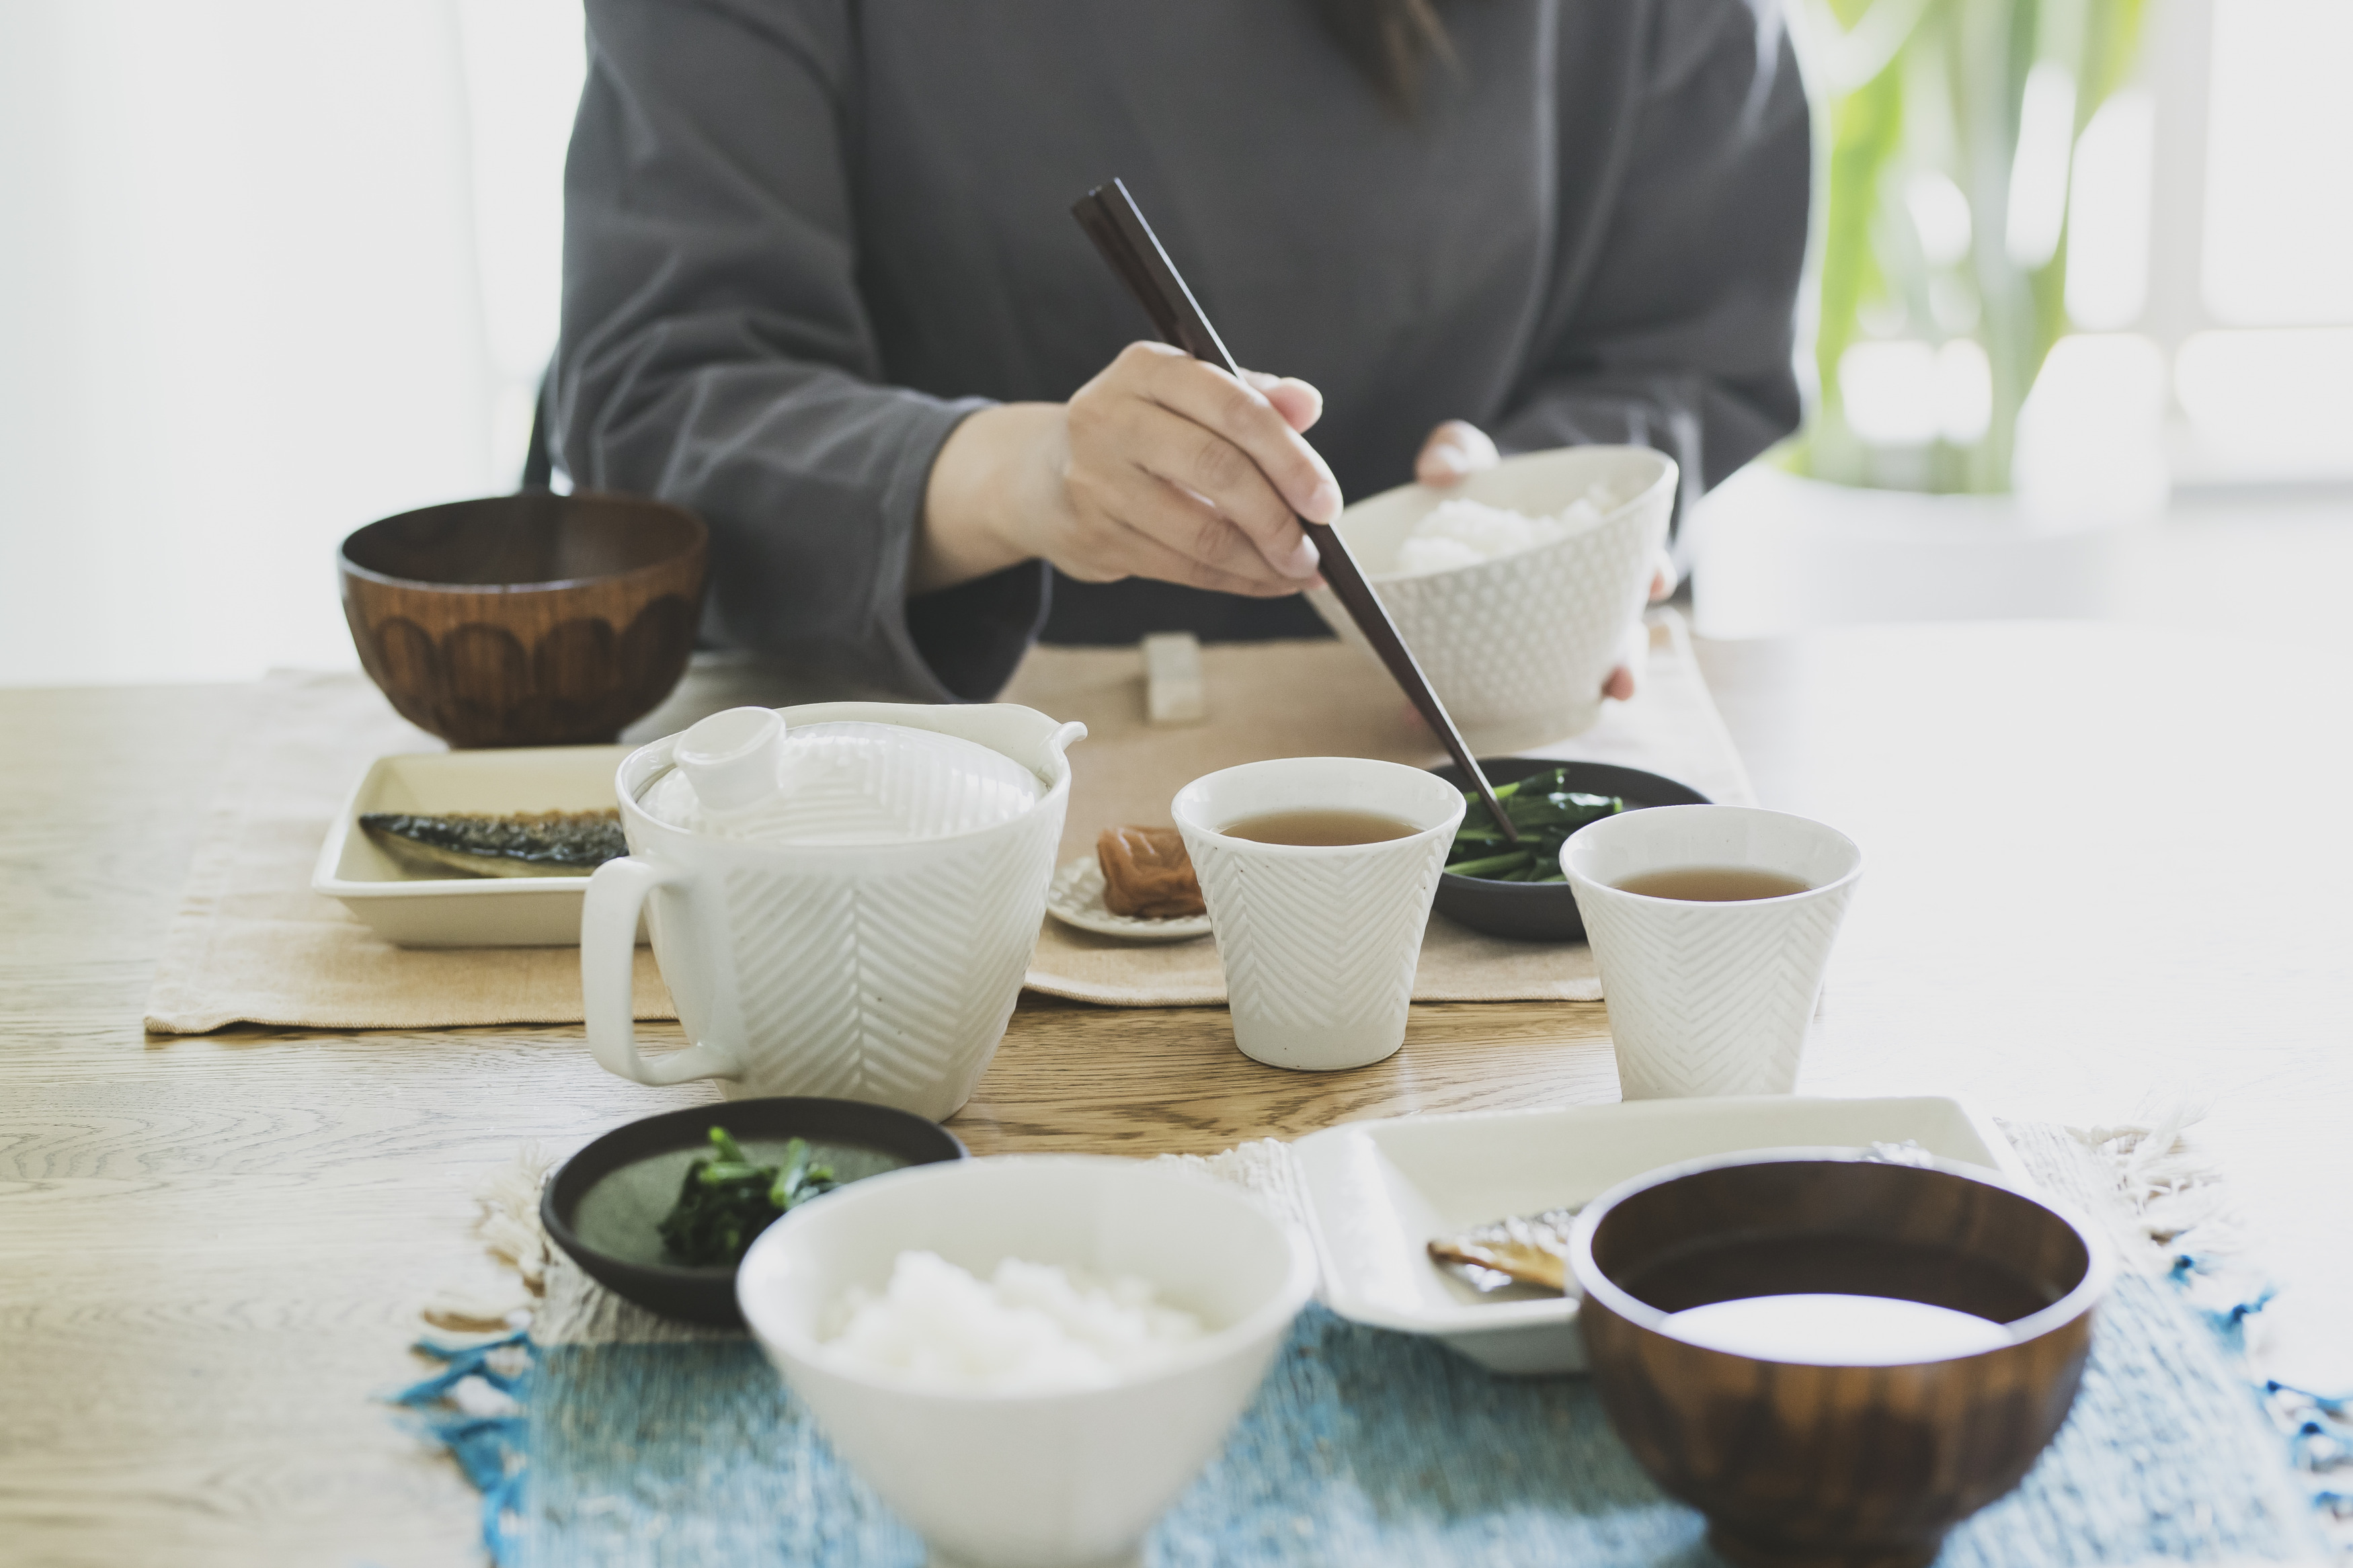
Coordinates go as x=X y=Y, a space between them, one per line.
x=727 y=1201
x=1546 y=811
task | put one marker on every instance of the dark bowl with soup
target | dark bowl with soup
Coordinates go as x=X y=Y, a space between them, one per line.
x=1543 y=911
x=604 y=1206
x=1836 y=1355
x=527 y=620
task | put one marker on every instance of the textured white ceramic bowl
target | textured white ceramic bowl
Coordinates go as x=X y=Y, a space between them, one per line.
x=1061 y=1480
x=1517 y=647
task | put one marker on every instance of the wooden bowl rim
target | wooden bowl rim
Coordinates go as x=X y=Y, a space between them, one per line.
x=698 y=539
x=2099 y=1261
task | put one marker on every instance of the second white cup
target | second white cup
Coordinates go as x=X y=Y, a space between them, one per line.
x=1320 y=943
x=1710 y=999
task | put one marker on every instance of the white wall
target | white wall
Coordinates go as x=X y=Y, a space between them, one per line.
x=242 y=309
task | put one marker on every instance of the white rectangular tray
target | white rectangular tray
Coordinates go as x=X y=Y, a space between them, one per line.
x=465 y=911
x=1379 y=1192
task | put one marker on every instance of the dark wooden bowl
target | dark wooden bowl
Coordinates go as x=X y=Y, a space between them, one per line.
x=527 y=620
x=1543 y=911
x=635 y=1170
x=1832 y=1467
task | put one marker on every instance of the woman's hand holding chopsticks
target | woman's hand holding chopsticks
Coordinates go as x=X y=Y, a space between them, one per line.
x=1163 y=466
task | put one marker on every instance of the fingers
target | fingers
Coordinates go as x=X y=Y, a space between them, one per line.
x=1621 y=684
x=1165 y=449
x=1135 y=547
x=1242 y=417
x=1454 y=452
x=1172 y=469
x=1663 y=576
x=1300 y=403
x=1122 y=508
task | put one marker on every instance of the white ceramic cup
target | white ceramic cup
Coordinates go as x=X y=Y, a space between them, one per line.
x=1319 y=943
x=1033 y=1480
x=883 y=972
x=1710 y=999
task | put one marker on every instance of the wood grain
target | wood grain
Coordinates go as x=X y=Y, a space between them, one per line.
x=1834 y=1467
x=2101 y=862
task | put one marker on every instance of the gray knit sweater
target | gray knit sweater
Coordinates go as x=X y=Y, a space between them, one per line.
x=804 y=237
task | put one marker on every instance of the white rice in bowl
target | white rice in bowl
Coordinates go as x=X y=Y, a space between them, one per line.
x=1459 y=532
x=1028 y=1327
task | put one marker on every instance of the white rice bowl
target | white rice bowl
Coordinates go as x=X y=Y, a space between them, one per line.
x=1460 y=532
x=1518 y=588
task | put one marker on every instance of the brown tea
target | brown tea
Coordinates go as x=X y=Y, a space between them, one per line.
x=1712 y=884
x=1319 y=828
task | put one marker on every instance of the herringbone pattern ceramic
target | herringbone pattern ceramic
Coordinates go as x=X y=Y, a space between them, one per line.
x=1517 y=647
x=864 y=784
x=1318 y=940
x=886 y=986
x=1708 y=999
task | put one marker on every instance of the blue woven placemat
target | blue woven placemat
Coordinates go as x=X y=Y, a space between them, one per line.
x=1367 y=1448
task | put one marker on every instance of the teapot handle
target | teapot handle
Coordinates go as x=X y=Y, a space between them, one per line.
x=608 y=943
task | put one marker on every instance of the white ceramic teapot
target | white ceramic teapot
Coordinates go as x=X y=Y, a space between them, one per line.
x=843 y=897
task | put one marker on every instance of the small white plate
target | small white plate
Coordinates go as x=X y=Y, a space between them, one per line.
x=465 y=911
x=1379 y=1192
x=1076 y=898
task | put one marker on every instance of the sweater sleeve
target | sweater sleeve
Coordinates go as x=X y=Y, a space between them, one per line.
x=715 y=351
x=1673 y=326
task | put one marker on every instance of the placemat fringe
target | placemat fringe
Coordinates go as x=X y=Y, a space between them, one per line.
x=2166 y=1202
x=2188 y=1224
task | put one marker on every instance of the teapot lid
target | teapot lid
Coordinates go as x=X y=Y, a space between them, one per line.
x=742 y=773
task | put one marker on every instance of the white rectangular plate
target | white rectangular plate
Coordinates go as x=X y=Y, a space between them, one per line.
x=465 y=911
x=1379 y=1192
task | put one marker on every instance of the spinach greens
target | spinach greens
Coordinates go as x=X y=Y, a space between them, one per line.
x=727 y=1201
x=1546 y=811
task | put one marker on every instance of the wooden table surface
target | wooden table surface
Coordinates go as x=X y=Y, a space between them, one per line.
x=2103 y=863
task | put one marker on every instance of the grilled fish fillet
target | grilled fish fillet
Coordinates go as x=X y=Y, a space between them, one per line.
x=525 y=844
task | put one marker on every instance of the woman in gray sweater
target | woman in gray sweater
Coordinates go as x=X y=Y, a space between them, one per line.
x=822 y=285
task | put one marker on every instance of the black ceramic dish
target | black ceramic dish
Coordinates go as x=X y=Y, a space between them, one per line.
x=602 y=1205
x=1545 y=911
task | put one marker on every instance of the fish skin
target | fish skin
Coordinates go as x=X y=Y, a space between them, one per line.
x=520 y=844
x=1530 y=1249
x=1524 y=1262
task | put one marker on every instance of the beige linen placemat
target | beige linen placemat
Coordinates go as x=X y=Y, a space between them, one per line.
x=251 y=944
x=1326 y=698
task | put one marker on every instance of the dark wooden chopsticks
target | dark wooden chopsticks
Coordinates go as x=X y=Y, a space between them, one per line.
x=1116 y=225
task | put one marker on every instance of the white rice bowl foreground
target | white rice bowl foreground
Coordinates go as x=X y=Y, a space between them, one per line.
x=1029 y=1328
x=1460 y=532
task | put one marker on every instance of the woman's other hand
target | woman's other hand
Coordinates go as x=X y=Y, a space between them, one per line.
x=1160 y=467
x=1456 y=451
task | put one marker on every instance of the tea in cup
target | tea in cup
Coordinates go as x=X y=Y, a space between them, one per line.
x=1319 y=873
x=1711 y=926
